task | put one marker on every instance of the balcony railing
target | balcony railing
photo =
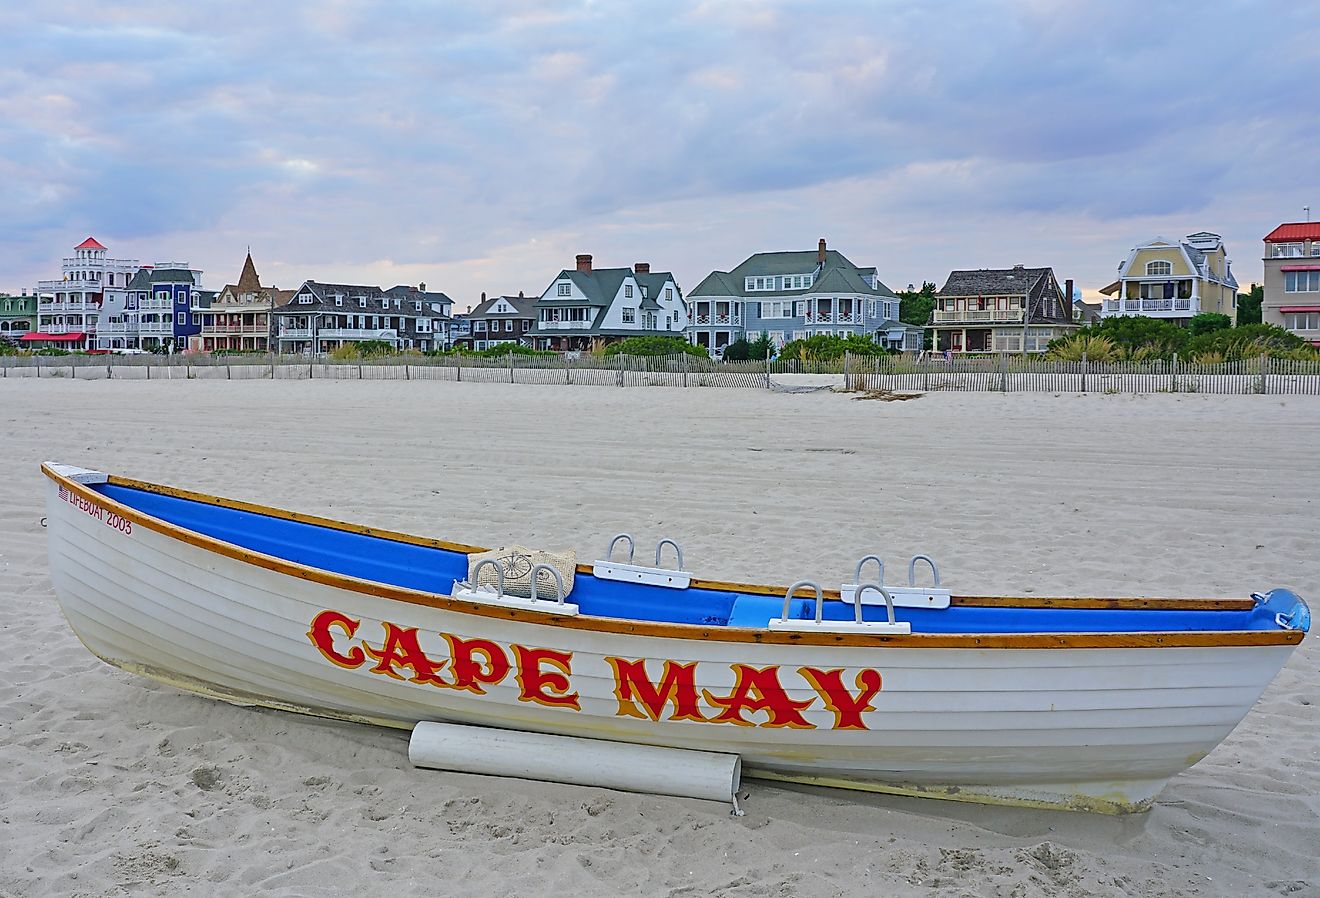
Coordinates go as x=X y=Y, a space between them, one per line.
x=354 y=333
x=295 y=333
x=224 y=329
x=979 y=315
x=545 y=326
x=69 y=305
x=1145 y=306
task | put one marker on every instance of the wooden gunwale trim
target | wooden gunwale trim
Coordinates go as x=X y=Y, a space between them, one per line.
x=1187 y=639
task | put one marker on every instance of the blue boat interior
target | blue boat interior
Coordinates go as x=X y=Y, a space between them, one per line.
x=434 y=570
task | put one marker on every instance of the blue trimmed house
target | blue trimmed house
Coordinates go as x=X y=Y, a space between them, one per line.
x=795 y=295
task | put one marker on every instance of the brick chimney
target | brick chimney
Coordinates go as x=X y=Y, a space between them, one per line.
x=820 y=252
x=520 y=295
x=584 y=262
x=642 y=268
x=483 y=295
x=421 y=288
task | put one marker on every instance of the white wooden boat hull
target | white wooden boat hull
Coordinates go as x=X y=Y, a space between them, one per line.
x=1098 y=729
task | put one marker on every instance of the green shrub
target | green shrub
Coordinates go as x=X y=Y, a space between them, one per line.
x=654 y=346
x=737 y=351
x=826 y=348
x=348 y=352
x=1208 y=323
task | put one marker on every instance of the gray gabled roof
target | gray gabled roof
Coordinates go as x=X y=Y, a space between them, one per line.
x=141 y=280
x=717 y=283
x=524 y=306
x=836 y=275
x=992 y=281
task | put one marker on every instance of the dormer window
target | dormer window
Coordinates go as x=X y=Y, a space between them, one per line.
x=304 y=299
x=339 y=300
x=362 y=302
x=417 y=306
x=1159 y=269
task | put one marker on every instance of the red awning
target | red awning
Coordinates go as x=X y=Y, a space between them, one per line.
x=1300 y=309
x=1299 y=267
x=53 y=338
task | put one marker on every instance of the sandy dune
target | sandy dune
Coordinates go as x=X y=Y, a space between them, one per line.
x=111 y=785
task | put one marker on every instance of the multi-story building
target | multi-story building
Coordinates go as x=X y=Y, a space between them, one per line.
x=1174 y=280
x=238 y=317
x=18 y=315
x=69 y=309
x=588 y=309
x=794 y=295
x=1292 y=279
x=322 y=317
x=503 y=319
x=997 y=309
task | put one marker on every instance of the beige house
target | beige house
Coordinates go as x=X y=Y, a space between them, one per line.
x=1292 y=279
x=1174 y=280
x=238 y=317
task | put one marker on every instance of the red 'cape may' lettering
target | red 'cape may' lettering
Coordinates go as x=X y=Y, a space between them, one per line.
x=544 y=677
x=759 y=689
x=639 y=696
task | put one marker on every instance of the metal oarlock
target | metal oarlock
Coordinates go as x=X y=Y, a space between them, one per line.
x=788 y=597
x=678 y=551
x=912 y=569
x=857 y=573
x=889 y=600
x=499 y=574
x=558 y=578
x=632 y=545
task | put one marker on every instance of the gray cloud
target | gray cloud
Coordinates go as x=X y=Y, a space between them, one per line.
x=490 y=143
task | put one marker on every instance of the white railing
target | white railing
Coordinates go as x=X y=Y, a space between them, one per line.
x=154 y=303
x=546 y=326
x=69 y=305
x=295 y=333
x=979 y=315
x=354 y=333
x=156 y=327
x=222 y=329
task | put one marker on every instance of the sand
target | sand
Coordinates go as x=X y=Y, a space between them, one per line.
x=112 y=785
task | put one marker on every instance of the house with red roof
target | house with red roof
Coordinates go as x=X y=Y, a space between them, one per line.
x=1292 y=279
x=70 y=310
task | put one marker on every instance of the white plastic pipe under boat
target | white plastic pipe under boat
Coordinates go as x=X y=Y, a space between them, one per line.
x=714 y=776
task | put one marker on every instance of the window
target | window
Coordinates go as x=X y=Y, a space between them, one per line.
x=179 y=318
x=508 y=326
x=669 y=293
x=627 y=291
x=799 y=309
x=479 y=326
x=362 y=302
x=1302 y=321
x=629 y=316
x=1159 y=269
x=565 y=289
x=339 y=300
x=417 y=306
x=1301 y=281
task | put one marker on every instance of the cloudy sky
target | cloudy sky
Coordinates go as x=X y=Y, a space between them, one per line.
x=479 y=146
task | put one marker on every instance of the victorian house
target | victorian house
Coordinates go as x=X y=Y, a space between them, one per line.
x=795 y=295
x=322 y=317
x=586 y=308
x=1292 y=279
x=18 y=315
x=1174 y=280
x=1016 y=309
x=238 y=317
